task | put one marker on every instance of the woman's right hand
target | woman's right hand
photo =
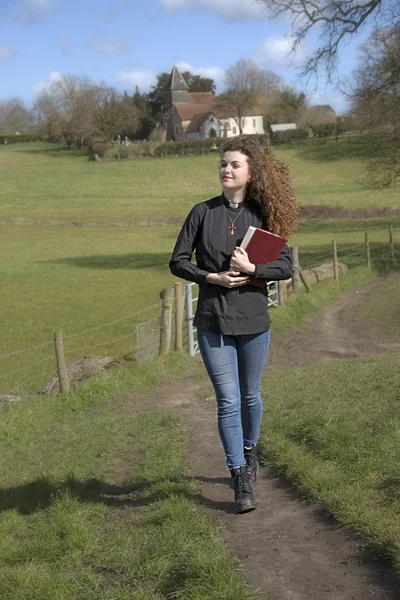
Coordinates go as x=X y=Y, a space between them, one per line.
x=228 y=279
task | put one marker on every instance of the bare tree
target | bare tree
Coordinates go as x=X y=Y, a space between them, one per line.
x=14 y=116
x=68 y=104
x=336 y=20
x=245 y=83
x=376 y=104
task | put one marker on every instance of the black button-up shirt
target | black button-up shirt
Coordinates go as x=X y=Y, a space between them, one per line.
x=231 y=311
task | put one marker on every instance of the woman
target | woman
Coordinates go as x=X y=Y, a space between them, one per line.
x=232 y=320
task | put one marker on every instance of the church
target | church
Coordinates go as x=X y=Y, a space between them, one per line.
x=194 y=115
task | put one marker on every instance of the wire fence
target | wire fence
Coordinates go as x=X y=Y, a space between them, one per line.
x=132 y=338
x=116 y=339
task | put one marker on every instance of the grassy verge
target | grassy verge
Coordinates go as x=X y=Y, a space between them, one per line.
x=96 y=500
x=302 y=305
x=333 y=430
x=380 y=310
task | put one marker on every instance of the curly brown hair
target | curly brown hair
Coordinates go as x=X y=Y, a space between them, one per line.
x=270 y=187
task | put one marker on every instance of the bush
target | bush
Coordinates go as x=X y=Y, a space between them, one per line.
x=98 y=147
x=286 y=137
x=18 y=139
x=122 y=153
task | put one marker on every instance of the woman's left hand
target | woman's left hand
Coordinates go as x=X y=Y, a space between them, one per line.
x=240 y=261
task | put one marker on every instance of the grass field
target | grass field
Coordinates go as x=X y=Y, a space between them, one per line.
x=97 y=502
x=75 y=278
x=43 y=183
x=70 y=463
x=337 y=438
x=333 y=429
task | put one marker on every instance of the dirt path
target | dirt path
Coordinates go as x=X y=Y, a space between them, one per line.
x=291 y=549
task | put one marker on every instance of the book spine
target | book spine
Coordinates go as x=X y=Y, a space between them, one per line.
x=247 y=237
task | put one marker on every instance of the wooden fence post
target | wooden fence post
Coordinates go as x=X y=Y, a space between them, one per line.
x=304 y=280
x=295 y=266
x=167 y=297
x=282 y=293
x=391 y=244
x=367 y=251
x=61 y=366
x=178 y=315
x=335 y=261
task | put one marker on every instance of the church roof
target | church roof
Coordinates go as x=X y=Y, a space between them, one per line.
x=201 y=98
x=176 y=81
x=187 y=111
x=198 y=121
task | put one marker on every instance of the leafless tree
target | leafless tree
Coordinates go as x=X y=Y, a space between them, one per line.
x=336 y=20
x=14 y=116
x=245 y=84
x=376 y=104
x=69 y=105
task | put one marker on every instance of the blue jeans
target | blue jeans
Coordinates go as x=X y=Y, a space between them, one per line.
x=234 y=364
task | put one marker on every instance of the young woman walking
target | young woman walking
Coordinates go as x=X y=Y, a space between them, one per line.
x=232 y=320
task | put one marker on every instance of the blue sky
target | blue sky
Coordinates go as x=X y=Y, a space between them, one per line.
x=124 y=43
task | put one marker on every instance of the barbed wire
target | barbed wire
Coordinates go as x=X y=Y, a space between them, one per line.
x=100 y=344
x=68 y=337
x=321 y=256
x=350 y=248
x=23 y=383
x=352 y=254
x=26 y=350
x=27 y=366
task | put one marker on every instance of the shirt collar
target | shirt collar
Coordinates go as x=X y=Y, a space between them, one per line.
x=231 y=205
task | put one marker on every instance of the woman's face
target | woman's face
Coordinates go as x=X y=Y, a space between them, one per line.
x=234 y=170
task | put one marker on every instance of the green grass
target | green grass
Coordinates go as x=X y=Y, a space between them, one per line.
x=381 y=309
x=333 y=429
x=96 y=501
x=48 y=183
x=73 y=279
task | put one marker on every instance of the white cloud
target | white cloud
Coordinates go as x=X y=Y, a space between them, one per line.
x=5 y=52
x=108 y=45
x=143 y=79
x=43 y=85
x=29 y=12
x=275 y=53
x=231 y=10
x=216 y=73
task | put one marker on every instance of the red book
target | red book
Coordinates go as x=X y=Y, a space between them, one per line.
x=261 y=247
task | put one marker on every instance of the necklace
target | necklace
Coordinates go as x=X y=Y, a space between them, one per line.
x=232 y=226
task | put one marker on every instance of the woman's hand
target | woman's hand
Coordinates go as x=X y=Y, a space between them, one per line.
x=228 y=279
x=240 y=261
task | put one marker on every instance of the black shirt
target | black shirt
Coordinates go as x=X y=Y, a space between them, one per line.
x=231 y=311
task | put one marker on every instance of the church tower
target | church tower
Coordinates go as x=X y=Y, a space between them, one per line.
x=176 y=89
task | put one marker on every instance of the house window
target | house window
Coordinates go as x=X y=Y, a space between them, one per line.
x=177 y=129
x=234 y=130
x=254 y=123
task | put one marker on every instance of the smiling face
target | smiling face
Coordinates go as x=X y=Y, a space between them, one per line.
x=234 y=171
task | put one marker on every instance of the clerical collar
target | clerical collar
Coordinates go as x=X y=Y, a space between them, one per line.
x=232 y=204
